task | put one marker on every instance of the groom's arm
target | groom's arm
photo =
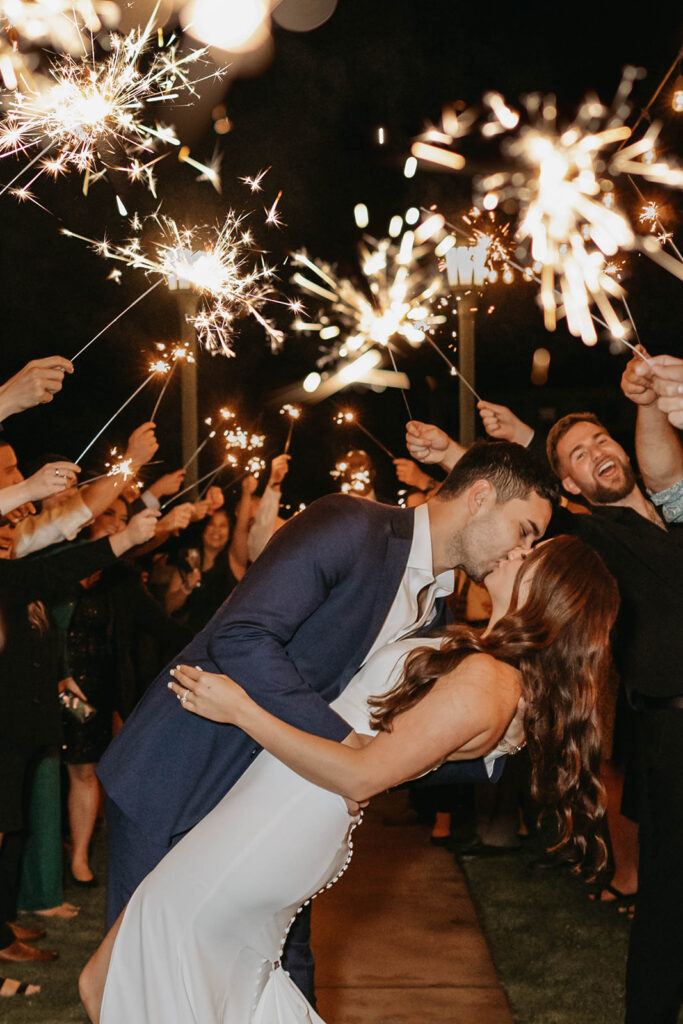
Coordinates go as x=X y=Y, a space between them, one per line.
x=306 y=559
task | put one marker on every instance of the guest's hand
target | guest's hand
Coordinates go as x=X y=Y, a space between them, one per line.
x=207 y=694
x=142 y=444
x=427 y=443
x=38 y=382
x=249 y=485
x=179 y=518
x=139 y=530
x=215 y=499
x=279 y=468
x=667 y=381
x=51 y=479
x=409 y=473
x=167 y=484
x=637 y=380
x=69 y=685
x=501 y=423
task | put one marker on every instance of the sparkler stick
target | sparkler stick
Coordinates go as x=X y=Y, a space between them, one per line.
x=455 y=372
x=24 y=169
x=212 y=472
x=163 y=391
x=345 y=418
x=112 y=418
x=198 y=449
x=112 y=322
x=402 y=390
x=294 y=412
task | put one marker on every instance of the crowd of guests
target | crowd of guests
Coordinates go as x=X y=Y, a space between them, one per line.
x=100 y=590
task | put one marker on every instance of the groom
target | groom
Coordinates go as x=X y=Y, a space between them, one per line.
x=335 y=583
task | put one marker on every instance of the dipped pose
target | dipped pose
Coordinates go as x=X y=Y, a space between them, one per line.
x=335 y=585
x=202 y=936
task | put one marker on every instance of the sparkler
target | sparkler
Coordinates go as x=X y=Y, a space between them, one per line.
x=154 y=369
x=179 y=352
x=294 y=413
x=201 y=446
x=400 y=289
x=91 y=114
x=346 y=418
x=355 y=474
x=214 y=262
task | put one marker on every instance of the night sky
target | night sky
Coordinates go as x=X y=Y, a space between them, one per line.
x=312 y=117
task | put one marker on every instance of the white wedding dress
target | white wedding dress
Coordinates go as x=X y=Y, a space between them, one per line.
x=202 y=936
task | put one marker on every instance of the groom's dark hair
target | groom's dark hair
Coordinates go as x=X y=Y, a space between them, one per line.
x=513 y=471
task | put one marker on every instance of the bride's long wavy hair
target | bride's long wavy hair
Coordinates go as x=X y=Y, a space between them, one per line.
x=559 y=641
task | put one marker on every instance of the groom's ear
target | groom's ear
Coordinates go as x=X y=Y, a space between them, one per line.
x=480 y=496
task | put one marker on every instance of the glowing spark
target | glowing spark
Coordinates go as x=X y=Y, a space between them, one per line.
x=649 y=214
x=214 y=262
x=255 y=182
x=120 y=468
x=255 y=466
x=273 y=218
x=92 y=113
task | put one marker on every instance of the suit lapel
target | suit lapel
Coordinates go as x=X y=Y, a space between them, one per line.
x=391 y=567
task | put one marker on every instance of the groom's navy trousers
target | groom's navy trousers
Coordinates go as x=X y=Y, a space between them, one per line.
x=293 y=634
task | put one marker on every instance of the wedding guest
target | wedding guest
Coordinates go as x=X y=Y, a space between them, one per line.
x=197 y=591
x=100 y=621
x=30 y=718
x=63 y=519
x=265 y=510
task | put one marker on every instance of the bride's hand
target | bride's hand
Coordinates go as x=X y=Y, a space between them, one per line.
x=207 y=694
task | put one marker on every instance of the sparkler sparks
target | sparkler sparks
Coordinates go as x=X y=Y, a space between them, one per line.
x=571 y=232
x=90 y=115
x=218 y=263
x=255 y=182
x=400 y=287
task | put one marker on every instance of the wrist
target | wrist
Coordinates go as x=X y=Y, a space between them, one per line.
x=450 y=456
x=523 y=434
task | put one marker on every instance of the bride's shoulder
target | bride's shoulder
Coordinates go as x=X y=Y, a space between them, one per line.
x=481 y=670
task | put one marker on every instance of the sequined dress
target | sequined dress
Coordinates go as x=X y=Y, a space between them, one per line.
x=202 y=936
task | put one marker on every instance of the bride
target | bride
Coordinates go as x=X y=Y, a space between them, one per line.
x=202 y=936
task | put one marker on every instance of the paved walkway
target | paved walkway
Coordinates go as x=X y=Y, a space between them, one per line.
x=397 y=940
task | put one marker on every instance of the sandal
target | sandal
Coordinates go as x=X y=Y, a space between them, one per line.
x=623 y=901
x=9 y=987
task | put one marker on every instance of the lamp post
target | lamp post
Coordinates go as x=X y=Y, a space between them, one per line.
x=466 y=272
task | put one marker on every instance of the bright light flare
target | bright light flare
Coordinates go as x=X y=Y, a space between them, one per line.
x=91 y=116
x=219 y=263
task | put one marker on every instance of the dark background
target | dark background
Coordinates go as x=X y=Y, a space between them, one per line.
x=312 y=116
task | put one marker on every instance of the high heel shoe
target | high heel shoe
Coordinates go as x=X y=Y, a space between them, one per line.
x=90 y=883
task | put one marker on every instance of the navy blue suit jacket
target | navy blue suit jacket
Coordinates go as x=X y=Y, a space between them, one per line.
x=293 y=633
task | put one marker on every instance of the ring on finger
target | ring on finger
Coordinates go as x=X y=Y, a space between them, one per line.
x=184 y=697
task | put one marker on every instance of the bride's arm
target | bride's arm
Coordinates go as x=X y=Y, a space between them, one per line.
x=466 y=711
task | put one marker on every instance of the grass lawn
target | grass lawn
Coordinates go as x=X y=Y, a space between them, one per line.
x=561 y=957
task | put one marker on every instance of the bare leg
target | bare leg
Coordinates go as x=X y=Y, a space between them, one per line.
x=94 y=974
x=623 y=833
x=84 y=798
